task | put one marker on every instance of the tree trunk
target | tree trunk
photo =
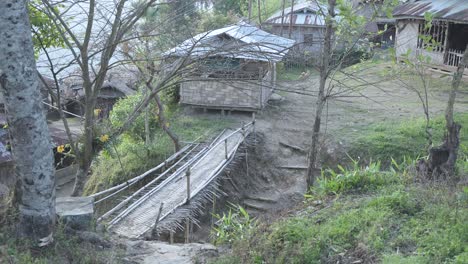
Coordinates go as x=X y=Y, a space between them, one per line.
x=452 y=138
x=259 y=15
x=321 y=99
x=162 y=120
x=31 y=146
x=86 y=154
x=442 y=159
x=291 y=18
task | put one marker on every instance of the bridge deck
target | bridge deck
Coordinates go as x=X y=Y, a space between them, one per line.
x=173 y=191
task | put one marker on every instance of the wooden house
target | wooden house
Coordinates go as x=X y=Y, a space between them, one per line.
x=119 y=84
x=234 y=68
x=304 y=22
x=444 y=41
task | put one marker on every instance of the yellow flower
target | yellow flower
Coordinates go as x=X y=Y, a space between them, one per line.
x=61 y=149
x=104 y=138
x=97 y=111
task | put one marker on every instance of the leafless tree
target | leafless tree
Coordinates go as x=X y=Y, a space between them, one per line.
x=105 y=27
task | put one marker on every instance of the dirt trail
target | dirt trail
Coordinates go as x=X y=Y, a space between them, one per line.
x=286 y=126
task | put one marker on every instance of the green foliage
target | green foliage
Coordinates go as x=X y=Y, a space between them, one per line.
x=395 y=224
x=124 y=107
x=355 y=179
x=212 y=21
x=403 y=139
x=234 y=225
x=45 y=32
x=235 y=7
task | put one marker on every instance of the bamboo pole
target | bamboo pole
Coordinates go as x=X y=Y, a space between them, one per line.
x=226 y=148
x=170 y=159
x=154 y=231
x=187 y=175
x=187 y=221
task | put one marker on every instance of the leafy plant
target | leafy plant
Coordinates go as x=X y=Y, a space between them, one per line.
x=354 y=179
x=234 y=225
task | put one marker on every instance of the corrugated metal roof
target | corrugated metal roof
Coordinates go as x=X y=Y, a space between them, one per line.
x=237 y=41
x=308 y=13
x=456 y=10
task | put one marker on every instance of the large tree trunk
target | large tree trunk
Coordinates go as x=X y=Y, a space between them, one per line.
x=321 y=99
x=31 y=146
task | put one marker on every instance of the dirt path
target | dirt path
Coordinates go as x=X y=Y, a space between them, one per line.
x=271 y=187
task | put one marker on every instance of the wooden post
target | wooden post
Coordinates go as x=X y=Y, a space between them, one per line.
x=187 y=174
x=154 y=231
x=243 y=129
x=187 y=230
x=187 y=221
x=171 y=237
x=260 y=81
x=291 y=18
x=213 y=211
x=225 y=149
x=253 y=123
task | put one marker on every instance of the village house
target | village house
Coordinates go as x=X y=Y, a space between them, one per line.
x=448 y=34
x=119 y=83
x=307 y=27
x=235 y=67
x=304 y=22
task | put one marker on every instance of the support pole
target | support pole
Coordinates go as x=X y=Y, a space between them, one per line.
x=154 y=231
x=187 y=221
x=187 y=231
x=225 y=149
x=187 y=174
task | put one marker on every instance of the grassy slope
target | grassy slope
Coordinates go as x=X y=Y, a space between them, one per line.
x=374 y=217
x=369 y=214
x=403 y=139
x=136 y=158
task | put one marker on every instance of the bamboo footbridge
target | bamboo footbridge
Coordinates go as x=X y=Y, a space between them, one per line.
x=160 y=197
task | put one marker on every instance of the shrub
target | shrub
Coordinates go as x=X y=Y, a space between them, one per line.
x=234 y=225
x=355 y=179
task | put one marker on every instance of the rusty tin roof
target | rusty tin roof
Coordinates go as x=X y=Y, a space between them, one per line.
x=453 y=10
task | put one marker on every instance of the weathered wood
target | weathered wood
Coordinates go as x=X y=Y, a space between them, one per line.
x=187 y=230
x=293 y=147
x=154 y=232
x=293 y=167
x=187 y=175
x=141 y=212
